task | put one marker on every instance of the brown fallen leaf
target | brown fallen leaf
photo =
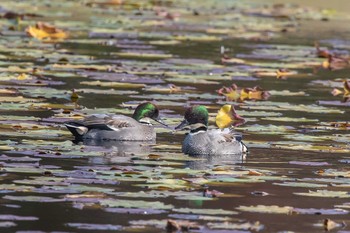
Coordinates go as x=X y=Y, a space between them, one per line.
x=335 y=62
x=320 y=172
x=255 y=93
x=174 y=226
x=346 y=92
x=166 y=14
x=105 y=3
x=346 y=87
x=254 y=173
x=225 y=59
x=130 y=172
x=233 y=93
x=74 y=96
x=154 y=156
x=329 y=224
x=211 y=193
x=336 y=92
x=14 y=15
x=43 y=31
x=340 y=124
x=173 y=88
x=321 y=53
x=284 y=73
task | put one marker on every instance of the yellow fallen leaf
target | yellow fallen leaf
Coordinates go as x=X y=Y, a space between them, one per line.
x=336 y=92
x=281 y=73
x=43 y=31
x=227 y=117
x=74 y=96
x=231 y=93
x=254 y=93
x=22 y=76
x=254 y=173
x=8 y=91
x=329 y=224
x=326 y=64
x=227 y=60
x=6 y=147
x=105 y=3
x=17 y=99
x=218 y=30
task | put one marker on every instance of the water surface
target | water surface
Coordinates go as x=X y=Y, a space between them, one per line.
x=118 y=55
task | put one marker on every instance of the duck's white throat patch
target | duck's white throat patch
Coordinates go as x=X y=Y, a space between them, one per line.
x=146 y=121
x=198 y=128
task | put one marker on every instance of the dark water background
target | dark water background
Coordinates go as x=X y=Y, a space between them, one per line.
x=55 y=156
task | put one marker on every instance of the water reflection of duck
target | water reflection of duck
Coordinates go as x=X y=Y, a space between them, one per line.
x=208 y=161
x=118 y=148
x=118 y=127
x=201 y=141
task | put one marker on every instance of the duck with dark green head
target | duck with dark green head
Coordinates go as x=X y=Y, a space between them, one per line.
x=203 y=141
x=118 y=127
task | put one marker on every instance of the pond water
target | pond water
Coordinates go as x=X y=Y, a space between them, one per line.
x=116 y=54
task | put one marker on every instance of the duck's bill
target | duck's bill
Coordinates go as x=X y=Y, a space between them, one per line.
x=160 y=121
x=182 y=125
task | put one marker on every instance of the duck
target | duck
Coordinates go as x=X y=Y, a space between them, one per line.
x=118 y=127
x=203 y=141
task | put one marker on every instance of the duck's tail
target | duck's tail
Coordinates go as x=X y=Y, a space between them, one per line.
x=76 y=129
x=244 y=148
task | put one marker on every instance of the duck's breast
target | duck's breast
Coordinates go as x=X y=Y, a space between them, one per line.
x=197 y=144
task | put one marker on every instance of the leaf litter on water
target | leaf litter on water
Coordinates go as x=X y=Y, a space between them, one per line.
x=134 y=46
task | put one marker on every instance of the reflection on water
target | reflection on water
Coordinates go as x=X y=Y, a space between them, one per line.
x=121 y=53
x=206 y=161
x=114 y=150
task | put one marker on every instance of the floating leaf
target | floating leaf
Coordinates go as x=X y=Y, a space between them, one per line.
x=267 y=209
x=44 y=31
x=32 y=198
x=205 y=211
x=96 y=227
x=309 y=163
x=227 y=116
x=112 y=84
x=233 y=93
x=256 y=226
x=7 y=224
x=183 y=225
x=301 y=184
x=143 y=55
x=135 y=204
x=17 y=218
x=325 y=193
